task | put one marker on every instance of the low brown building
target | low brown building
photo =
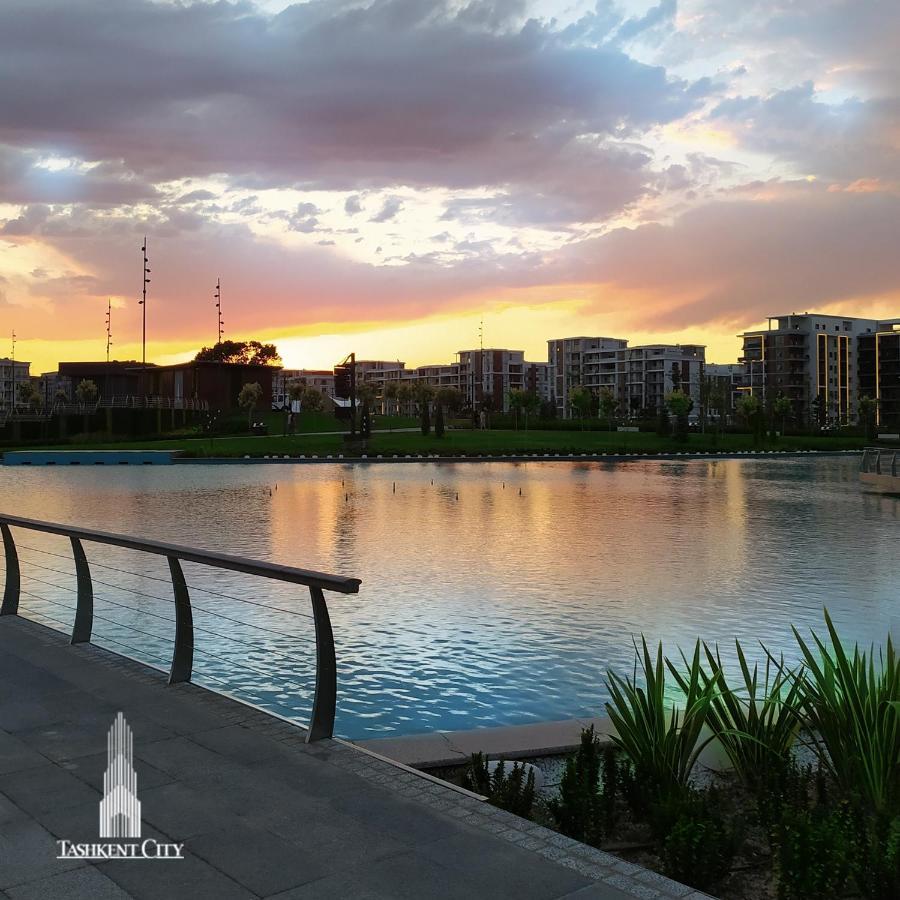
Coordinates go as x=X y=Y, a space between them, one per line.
x=113 y=379
x=216 y=383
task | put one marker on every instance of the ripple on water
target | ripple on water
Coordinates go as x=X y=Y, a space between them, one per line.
x=493 y=609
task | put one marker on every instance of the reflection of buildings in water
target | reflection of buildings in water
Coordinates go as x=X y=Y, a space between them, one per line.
x=314 y=526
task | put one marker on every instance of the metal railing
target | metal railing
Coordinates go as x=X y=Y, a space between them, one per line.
x=321 y=723
x=876 y=461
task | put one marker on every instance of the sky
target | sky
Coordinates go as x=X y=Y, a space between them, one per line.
x=384 y=176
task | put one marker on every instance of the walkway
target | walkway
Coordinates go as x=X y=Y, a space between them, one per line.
x=260 y=813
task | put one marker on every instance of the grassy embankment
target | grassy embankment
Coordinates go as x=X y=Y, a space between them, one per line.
x=455 y=443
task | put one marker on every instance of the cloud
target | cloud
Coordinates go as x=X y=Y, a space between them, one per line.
x=321 y=95
x=834 y=140
x=390 y=208
x=757 y=253
x=352 y=206
x=29 y=176
x=28 y=221
x=655 y=17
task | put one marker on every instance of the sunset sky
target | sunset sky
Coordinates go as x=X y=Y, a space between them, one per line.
x=379 y=176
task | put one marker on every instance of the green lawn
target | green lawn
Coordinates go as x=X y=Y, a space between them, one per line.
x=475 y=442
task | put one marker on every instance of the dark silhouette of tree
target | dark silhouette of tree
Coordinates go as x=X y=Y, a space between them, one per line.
x=252 y=353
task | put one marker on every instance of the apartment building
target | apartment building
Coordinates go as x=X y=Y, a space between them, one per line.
x=878 y=366
x=646 y=374
x=12 y=374
x=538 y=380
x=380 y=372
x=487 y=376
x=811 y=359
x=320 y=379
x=727 y=378
x=588 y=361
x=52 y=386
x=439 y=376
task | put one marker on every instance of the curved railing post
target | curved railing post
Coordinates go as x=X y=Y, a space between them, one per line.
x=10 y=605
x=84 y=612
x=183 y=655
x=321 y=723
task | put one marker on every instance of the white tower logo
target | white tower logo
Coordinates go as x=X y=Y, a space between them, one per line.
x=120 y=809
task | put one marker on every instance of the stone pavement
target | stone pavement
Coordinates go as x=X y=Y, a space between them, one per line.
x=260 y=812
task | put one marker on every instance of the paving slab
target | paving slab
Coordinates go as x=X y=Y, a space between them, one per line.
x=260 y=812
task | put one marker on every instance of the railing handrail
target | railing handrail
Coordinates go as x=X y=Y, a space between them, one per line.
x=276 y=571
x=321 y=724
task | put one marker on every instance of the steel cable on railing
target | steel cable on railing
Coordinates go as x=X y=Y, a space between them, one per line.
x=68 y=625
x=193 y=587
x=106 y=637
x=295 y=637
x=166 y=619
x=137 y=593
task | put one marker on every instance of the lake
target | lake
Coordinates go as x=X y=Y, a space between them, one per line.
x=494 y=593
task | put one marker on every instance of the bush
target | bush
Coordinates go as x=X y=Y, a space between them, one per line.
x=700 y=847
x=513 y=792
x=813 y=850
x=876 y=864
x=577 y=810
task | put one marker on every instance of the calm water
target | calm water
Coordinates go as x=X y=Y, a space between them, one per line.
x=503 y=606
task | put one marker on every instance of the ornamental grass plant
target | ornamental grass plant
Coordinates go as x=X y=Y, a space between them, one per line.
x=662 y=742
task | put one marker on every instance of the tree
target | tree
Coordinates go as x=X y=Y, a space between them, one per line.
x=36 y=400
x=819 y=411
x=405 y=396
x=311 y=400
x=750 y=410
x=30 y=395
x=365 y=392
x=580 y=400
x=516 y=401
x=680 y=405
x=424 y=394
x=609 y=406
x=391 y=391
x=867 y=406
x=250 y=395
x=61 y=396
x=531 y=405
x=86 y=392
x=295 y=389
x=450 y=398
x=439 y=420
x=782 y=407
x=251 y=353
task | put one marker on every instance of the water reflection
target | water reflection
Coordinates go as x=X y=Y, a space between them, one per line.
x=496 y=593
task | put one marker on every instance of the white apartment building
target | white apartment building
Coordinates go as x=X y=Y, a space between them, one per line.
x=647 y=374
x=320 y=379
x=588 y=361
x=440 y=376
x=12 y=374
